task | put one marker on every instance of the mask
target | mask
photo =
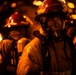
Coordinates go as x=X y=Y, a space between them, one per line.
x=54 y=27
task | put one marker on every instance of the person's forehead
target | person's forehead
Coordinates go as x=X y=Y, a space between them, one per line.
x=54 y=18
x=50 y=16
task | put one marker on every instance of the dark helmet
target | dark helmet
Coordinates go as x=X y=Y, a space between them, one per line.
x=51 y=13
x=51 y=8
x=17 y=19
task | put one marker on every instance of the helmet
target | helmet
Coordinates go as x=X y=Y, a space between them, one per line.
x=17 y=19
x=51 y=8
x=51 y=14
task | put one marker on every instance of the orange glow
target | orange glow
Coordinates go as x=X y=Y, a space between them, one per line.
x=1 y=37
x=9 y=26
x=37 y=3
x=74 y=40
x=70 y=10
x=28 y=19
x=0 y=58
x=13 y=5
x=73 y=16
x=42 y=8
x=63 y=1
x=72 y=22
x=70 y=5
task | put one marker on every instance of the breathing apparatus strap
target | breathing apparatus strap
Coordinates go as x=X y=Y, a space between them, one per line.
x=13 y=53
x=15 y=58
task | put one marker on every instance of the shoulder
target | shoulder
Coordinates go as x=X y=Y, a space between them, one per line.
x=23 y=40
x=7 y=44
x=7 y=41
x=34 y=42
x=33 y=45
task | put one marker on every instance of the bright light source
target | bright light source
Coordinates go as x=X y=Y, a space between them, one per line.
x=9 y=26
x=70 y=5
x=37 y=3
x=1 y=37
x=63 y=1
x=72 y=22
x=73 y=16
x=13 y=5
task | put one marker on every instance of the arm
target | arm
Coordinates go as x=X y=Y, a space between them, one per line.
x=30 y=61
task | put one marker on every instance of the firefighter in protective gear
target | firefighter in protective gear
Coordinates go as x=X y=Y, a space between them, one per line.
x=51 y=51
x=17 y=37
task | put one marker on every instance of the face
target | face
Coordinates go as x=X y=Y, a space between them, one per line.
x=55 y=25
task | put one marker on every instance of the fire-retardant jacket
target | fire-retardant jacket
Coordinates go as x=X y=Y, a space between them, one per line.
x=31 y=62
